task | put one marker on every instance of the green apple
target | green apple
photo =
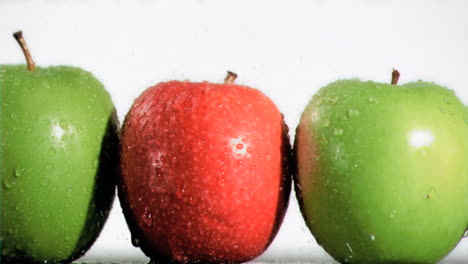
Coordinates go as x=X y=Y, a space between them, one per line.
x=58 y=150
x=383 y=171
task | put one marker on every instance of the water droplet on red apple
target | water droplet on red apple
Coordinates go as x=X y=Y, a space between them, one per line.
x=147 y=218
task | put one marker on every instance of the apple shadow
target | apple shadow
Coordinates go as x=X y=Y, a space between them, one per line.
x=288 y=167
x=103 y=197
x=104 y=190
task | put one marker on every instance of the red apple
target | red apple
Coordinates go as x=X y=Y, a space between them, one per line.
x=205 y=171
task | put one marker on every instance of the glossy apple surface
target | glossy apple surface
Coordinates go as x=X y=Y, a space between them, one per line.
x=58 y=153
x=383 y=171
x=205 y=173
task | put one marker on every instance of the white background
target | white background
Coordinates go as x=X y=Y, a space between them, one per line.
x=287 y=49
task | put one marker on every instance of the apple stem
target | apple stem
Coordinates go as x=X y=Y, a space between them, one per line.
x=395 y=77
x=19 y=37
x=230 y=78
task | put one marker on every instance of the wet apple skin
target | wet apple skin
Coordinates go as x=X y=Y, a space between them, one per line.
x=205 y=171
x=382 y=171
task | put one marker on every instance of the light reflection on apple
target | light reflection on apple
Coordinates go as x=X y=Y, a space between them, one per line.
x=420 y=138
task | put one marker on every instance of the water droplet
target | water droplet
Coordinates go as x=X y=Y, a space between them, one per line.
x=335 y=99
x=319 y=101
x=353 y=112
x=372 y=100
x=13 y=116
x=465 y=235
x=446 y=100
x=7 y=183
x=45 y=122
x=442 y=110
x=239 y=146
x=34 y=117
x=148 y=218
x=69 y=190
x=427 y=196
x=337 y=131
x=221 y=181
x=135 y=242
x=52 y=151
x=326 y=123
x=19 y=172
x=372 y=237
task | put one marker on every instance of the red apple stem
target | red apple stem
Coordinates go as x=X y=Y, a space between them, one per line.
x=19 y=37
x=395 y=77
x=230 y=78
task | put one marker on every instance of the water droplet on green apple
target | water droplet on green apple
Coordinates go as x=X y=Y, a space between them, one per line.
x=52 y=151
x=442 y=110
x=13 y=116
x=337 y=131
x=63 y=124
x=335 y=99
x=45 y=122
x=319 y=101
x=446 y=100
x=34 y=117
x=353 y=112
x=372 y=100
x=372 y=237
x=8 y=183
x=326 y=123
x=19 y=172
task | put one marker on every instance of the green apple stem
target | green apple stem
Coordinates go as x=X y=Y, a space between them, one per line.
x=19 y=37
x=230 y=78
x=395 y=77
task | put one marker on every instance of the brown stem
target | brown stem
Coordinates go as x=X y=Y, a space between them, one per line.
x=395 y=77
x=230 y=78
x=19 y=37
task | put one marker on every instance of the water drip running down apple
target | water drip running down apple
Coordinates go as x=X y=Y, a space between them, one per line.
x=380 y=170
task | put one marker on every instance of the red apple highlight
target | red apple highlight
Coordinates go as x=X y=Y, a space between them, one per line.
x=205 y=171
